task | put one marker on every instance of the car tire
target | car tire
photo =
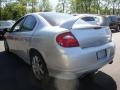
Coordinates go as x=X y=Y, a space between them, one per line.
x=91 y=75
x=118 y=29
x=39 y=68
x=6 y=46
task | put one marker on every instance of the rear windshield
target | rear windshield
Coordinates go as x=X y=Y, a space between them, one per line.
x=56 y=19
x=88 y=18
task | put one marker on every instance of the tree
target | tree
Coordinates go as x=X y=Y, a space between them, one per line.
x=59 y=8
x=80 y=6
x=23 y=2
x=95 y=6
x=13 y=11
x=111 y=6
x=63 y=6
x=1 y=13
x=45 y=6
x=72 y=6
x=27 y=3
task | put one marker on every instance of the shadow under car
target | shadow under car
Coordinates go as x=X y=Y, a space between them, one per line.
x=15 y=74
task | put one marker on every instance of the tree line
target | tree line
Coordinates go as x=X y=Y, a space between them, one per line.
x=89 y=6
x=14 y=9
x=17 y=8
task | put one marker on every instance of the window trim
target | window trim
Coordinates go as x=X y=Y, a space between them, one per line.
x=13 y=27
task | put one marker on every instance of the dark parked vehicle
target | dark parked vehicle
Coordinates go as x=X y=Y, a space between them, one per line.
x=113 y=22
x=4 y=25
x=119 y=21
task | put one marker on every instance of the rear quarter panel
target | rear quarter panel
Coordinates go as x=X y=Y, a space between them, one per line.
x=44 y=41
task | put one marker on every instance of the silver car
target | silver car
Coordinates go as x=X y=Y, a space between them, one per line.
x=60 y=45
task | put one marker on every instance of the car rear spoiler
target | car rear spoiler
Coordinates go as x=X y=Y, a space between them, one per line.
x=69 y=23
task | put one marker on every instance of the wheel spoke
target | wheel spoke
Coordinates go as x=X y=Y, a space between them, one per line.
x=37 y=67
x=41 y=69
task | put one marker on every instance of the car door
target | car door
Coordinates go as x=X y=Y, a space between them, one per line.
x=23 y=37
x=10 y=36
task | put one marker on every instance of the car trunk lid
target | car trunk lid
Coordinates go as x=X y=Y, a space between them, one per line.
x=88 y=35
x=91 y=36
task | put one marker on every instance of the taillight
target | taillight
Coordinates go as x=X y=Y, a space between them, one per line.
x=67 y=40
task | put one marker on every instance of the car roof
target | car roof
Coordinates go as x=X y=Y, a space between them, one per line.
x=55 y=18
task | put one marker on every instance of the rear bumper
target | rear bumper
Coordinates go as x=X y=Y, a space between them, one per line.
x=79 y=72
x=113 y=27
x=74 y=62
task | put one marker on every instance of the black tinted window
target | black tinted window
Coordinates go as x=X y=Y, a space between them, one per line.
x=29 y=23
x=88 y=18
x=113 y=18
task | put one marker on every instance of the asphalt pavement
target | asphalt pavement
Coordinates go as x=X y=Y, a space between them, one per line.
x=15 y=74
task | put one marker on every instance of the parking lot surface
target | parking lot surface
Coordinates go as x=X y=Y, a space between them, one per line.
x=15 y=74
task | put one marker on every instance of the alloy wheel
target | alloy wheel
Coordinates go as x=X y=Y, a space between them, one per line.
x=38 y=67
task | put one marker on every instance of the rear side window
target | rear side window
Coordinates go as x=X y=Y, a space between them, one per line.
x=29 y=23
x=88 y=18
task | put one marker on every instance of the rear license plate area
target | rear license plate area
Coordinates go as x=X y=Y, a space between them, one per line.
x=101 y=54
